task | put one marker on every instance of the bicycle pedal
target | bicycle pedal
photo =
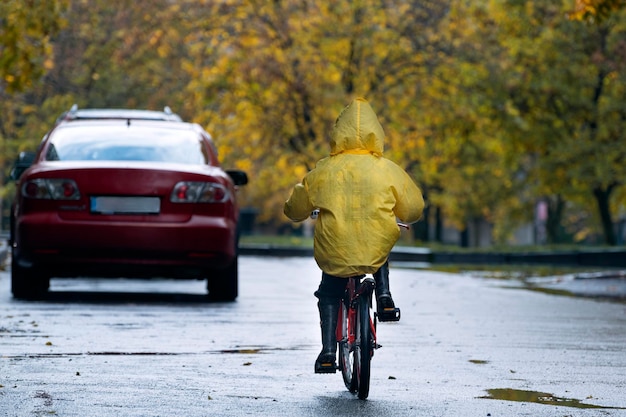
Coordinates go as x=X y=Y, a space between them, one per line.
x=325 y=368
x=389 y=314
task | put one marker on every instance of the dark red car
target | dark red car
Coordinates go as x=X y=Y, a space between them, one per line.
x=124 y=193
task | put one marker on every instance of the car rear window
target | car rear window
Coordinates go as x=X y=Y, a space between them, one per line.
x=127 y=143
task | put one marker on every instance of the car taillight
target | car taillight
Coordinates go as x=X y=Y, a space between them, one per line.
x=199 y=192
x=51 y=189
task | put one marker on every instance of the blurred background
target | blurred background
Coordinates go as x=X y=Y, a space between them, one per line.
x=509 y=114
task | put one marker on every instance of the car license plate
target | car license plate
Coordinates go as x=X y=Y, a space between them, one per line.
x=125 y=205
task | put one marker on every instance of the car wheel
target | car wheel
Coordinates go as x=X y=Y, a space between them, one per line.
x=223 y=284
x=28 y=283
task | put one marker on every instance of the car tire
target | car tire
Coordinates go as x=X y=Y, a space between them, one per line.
x=28 y=283
x=222 y=284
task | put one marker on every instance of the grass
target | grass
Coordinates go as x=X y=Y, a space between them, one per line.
x=275 y=240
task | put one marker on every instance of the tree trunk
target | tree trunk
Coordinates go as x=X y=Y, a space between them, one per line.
x=420 y=229
x=553 y=223
x=603 y=196
x=438 y=225
x=464 y=238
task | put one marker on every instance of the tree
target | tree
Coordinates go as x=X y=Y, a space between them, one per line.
x=565 y=99
x=25 y=49
x=491 y=106
x=26 y=29
x=285 y=70
x=595 y=10
x=115 y=53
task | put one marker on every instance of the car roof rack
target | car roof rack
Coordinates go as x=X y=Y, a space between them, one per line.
x=119 y=114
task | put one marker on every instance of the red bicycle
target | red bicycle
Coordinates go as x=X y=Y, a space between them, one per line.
x=356 y=330
x=356 y=333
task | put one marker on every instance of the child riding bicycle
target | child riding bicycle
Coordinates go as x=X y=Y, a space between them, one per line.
x=359 y=195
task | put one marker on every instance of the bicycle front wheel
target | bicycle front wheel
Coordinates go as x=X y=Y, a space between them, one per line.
x=346 y=327
x=364 y=345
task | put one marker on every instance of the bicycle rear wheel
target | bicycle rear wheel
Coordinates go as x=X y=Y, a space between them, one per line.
x=364 y=345
x=346 y=327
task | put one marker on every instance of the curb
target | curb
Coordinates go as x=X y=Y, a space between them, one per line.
x=608 y=258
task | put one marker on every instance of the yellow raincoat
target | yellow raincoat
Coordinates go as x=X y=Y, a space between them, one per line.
x=359 y=194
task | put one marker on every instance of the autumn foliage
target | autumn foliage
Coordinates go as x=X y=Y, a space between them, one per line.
x=491 y=106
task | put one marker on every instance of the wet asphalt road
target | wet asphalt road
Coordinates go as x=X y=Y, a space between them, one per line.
x=156 y=348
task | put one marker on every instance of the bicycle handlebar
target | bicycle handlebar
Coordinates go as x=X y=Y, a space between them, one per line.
x=315 y=214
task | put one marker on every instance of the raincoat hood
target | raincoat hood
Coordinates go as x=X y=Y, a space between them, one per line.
x=357 y=130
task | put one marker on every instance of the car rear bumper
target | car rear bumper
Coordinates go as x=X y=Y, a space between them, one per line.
x=70 y=248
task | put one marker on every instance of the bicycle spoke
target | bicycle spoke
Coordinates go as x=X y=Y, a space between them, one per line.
x=346 y=349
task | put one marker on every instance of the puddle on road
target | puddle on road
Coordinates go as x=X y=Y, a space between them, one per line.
x=242 y=351
x=252 y=350
x=509 y=394
x=238 y=350
x=132 y=353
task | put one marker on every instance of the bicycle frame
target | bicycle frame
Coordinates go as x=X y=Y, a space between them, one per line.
x=354 y=290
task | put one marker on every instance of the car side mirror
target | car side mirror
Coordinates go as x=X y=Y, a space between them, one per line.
x=238 y=177
x=21 y=164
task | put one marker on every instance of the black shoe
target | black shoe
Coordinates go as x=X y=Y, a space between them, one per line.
x=325 y=363
x=386 y=309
